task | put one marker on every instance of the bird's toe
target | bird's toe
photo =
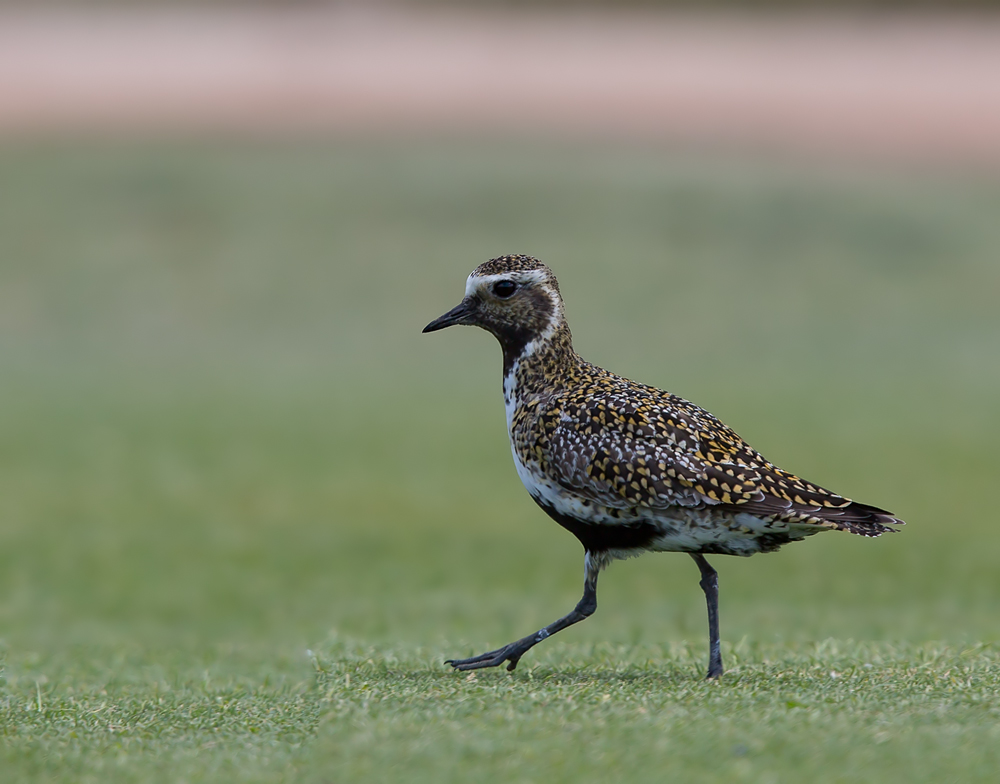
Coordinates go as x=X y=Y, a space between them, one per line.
x=509 y=653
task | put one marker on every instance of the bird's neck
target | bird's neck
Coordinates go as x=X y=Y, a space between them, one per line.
x=542 y=365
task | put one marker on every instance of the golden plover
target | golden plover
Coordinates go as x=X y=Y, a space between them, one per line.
x=625 y=467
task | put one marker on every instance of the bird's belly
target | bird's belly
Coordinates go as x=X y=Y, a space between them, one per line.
x=627 y=531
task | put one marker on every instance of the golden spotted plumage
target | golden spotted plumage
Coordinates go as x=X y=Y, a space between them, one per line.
x=627 y=467
x=631 y=447
x=625 y=444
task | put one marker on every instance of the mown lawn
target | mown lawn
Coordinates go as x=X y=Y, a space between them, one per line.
x=246 y=509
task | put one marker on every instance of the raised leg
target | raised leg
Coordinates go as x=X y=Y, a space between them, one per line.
x=512 y=653
x=710 y=585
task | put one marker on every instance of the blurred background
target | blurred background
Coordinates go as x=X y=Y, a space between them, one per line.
x=223 y=225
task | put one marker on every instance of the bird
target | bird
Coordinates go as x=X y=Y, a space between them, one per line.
x=629 y=468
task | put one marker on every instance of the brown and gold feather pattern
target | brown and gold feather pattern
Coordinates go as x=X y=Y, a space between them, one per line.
x=626 y=467
x=602 y=449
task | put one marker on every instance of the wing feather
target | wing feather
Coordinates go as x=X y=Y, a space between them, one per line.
x=665 y=452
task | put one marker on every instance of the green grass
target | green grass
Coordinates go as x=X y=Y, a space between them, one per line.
x=246 y=509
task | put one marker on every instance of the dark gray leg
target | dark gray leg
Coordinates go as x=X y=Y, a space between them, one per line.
x=710 y=585
x=512 y=653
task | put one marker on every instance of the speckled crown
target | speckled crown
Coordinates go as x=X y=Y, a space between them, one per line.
x=513 y=263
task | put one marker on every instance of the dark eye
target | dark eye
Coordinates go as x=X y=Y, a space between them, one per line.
x=504 y=288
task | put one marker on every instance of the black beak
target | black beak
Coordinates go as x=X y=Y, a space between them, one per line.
x=460 y=314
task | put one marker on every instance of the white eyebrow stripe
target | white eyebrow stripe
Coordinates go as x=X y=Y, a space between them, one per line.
x=474 y=281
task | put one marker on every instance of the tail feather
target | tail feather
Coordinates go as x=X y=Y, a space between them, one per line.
x=860 y=519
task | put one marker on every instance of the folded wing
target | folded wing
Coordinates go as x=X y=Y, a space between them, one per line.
x=667 y=452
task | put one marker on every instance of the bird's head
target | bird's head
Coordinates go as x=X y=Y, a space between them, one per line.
x=515 y=298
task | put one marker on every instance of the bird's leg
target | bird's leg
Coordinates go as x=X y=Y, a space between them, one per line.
x=710 y=585
x=512 y=653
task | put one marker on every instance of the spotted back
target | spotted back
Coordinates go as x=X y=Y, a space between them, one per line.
x=627 y=446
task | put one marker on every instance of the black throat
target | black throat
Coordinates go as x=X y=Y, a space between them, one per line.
x=513 y=341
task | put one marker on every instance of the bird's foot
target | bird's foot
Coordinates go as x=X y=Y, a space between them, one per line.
x=509 y=653
x=714 y=673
